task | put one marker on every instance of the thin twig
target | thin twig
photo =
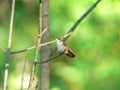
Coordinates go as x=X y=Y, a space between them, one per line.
x=9 y=45
x=40 y=32
x=30 y=48
x=2 y=49
x=40 y=35
x=66 y=36
x=34 y=65
x=23 y=74
x=81 y=18
x=52 y=58
x=35 y=59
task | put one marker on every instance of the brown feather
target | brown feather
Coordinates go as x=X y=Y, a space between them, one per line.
x=69 y=53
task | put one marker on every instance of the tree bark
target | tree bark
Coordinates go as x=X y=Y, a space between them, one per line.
x=45 y=50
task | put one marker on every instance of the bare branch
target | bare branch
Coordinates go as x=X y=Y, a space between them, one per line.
x=66 y=36
x=30 y=48
x=9 y=45
x=40 y=35
x=81 y=18
x=2 y=49
x=52 y=58
x=35 y=58
x=23 y=74
x=20 y=51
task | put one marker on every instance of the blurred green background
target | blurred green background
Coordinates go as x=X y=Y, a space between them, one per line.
x=95 y=42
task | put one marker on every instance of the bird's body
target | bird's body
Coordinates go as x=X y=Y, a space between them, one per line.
x=61 y=46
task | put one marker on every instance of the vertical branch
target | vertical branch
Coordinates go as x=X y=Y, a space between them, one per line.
x=45 y=51
x=9 y=45
x=37 y=46
x=22 y=80
x=40 y=16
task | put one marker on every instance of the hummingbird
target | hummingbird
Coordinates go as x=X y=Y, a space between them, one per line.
x=62 y=47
